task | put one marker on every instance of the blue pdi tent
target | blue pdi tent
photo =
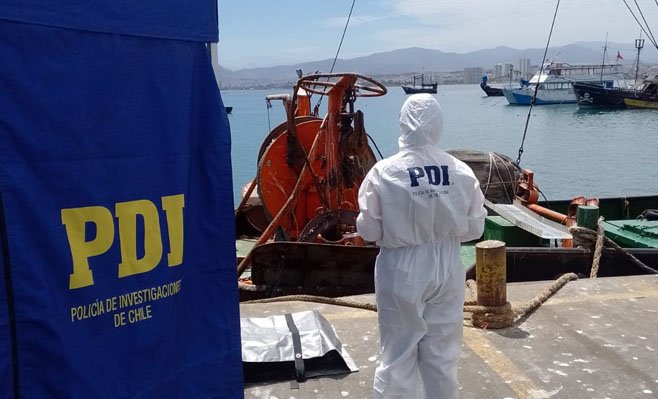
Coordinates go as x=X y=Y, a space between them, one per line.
x=118 y=267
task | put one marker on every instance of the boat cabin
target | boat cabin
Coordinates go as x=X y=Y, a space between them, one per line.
x=649 y=86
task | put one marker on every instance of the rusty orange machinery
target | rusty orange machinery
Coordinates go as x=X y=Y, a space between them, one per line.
x=528 y=194
x=310 y=169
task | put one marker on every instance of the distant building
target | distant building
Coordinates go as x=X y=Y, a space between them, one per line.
x=503 y=70
x=498 y=70
x=524 y=67
x=473 y=75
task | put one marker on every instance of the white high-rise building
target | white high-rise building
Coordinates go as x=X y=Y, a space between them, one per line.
x=524 y=67
x=503 y=70
x=498 y=70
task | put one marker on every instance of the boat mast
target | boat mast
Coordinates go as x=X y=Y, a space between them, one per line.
x=605 y=47
x=639 y=43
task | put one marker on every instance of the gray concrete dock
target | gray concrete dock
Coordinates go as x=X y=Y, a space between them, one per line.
x=595 y=338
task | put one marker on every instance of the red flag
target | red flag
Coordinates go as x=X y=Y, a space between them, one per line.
x=619 y=57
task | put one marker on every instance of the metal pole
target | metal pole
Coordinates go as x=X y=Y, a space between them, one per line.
x=639 y=43
x=605 y=47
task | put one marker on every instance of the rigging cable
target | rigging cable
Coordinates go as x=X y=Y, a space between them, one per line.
x=333 y=64
x=645 y=21
x=534 y=96
x=349 y=16
x=650 y=37
x=375 y=144
x=268 y=104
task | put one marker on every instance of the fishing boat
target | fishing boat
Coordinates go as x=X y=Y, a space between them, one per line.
x=419 y=86
x=295 y=225
x=490 y=91
x=645 y=95
x=642 y=95
x=554 y=82
x=538 y=233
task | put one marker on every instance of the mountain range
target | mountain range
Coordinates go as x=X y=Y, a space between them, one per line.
x=415 y=60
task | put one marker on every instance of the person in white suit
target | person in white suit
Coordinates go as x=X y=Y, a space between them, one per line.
x=418 y=206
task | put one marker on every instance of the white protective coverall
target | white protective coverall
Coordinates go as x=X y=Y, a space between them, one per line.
x=418 y=205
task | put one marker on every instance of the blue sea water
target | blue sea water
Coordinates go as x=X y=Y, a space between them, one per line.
x=602 y=153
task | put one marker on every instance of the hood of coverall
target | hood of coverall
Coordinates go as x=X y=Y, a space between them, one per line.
x=421 y=122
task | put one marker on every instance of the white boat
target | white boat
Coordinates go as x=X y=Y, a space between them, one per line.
x=556 y=80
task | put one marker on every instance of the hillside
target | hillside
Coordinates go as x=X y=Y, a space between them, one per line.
x=404 y=62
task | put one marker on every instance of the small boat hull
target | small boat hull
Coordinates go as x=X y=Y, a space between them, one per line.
x=491 y=91
x=431 y=89
x=524 y=96
x=423 y=87
x=635 y=103
x=593 y=96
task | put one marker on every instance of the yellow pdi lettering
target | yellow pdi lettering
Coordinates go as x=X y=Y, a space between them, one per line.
x=127 y=213
x=173 y=207
x=75 y=221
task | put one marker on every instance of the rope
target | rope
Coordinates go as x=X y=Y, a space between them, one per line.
x=650 y=37
x=505 y=316
x=583 y=237
x=349 y=16
x=491 y=316
x=509 y=176
x=502 y=182
x=268 y=105
x=488 y=177
x=482 y=316
x=598 y=248
x=544 y=295
x=343 y=36
x=319 y=299
x=472 y=290
x=653 y=39
x=534 y=96
x=496 y=163
x=376 y=147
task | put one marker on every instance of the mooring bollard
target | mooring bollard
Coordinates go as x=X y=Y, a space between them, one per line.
x=491 y=271
x=587 y=216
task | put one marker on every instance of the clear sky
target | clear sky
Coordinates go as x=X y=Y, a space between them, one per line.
x=283 y=32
